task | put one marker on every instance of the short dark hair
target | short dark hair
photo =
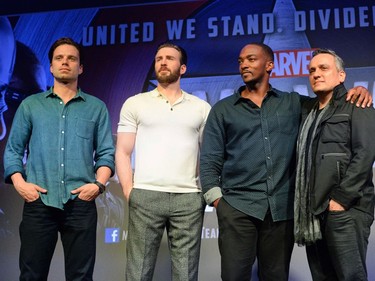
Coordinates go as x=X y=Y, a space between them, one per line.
x=181 y=50
x=267 y=49
x=65 y=41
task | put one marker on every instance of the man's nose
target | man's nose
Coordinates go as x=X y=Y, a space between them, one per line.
x=316 y=74
x=244 y=65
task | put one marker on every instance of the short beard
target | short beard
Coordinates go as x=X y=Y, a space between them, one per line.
x=168 y=79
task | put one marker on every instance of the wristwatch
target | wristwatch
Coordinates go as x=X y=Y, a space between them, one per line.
x=101 y=186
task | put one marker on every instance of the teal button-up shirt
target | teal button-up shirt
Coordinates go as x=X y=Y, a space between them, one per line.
x=64 y=143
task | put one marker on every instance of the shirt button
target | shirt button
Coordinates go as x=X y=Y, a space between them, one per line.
x=63 y=116
x=60 y=102
x=62 y=132
x=62 y=148
x=266 y=138
x=268 y=157
x=62 y=165
x=62 y=181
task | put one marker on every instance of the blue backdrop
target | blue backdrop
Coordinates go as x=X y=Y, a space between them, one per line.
x=120 y=38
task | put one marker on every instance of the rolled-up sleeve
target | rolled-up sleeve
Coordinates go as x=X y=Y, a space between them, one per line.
x=212 y=157
x=16 y=144
x=104 y=151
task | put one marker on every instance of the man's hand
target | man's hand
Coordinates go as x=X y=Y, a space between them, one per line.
x=216 y=202
x=87 y=192
x=335 y=207
x=29 y=191
x=360 y=96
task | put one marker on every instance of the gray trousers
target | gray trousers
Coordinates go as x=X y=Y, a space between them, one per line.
x=150 y=212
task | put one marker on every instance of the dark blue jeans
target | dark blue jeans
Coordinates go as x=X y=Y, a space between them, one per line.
x=39 y=233
x=243 y=238
x=341 y=254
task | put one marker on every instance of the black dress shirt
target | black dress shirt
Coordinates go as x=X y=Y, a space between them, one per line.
x=248 y=153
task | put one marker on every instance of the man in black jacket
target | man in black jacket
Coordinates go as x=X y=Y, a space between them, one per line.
x=334 y=204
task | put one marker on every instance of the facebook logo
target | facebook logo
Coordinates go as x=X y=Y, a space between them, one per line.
x=112 y=235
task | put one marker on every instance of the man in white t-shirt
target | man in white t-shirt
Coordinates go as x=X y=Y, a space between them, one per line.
x=164 y=127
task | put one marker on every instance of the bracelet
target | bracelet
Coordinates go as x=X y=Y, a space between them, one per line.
x=101 y=186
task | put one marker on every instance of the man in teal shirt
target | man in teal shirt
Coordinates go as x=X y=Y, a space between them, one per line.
x=67 y=137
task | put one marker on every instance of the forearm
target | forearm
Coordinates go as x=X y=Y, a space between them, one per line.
x=124 y=173
x=103 y=174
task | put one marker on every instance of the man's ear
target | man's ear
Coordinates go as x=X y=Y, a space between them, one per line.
x=342 y=76
x=269 y=66
x=183 y=69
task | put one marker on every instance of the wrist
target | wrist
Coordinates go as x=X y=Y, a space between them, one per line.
x=100 y=186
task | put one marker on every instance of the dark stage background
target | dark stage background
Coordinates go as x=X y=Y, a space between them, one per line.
x=120 y=38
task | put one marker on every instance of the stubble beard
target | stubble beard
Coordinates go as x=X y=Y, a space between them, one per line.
x=65 y=79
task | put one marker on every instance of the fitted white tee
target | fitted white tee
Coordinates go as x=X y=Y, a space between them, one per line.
x=167 y=142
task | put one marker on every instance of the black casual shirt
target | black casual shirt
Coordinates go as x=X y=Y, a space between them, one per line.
x=248 y=153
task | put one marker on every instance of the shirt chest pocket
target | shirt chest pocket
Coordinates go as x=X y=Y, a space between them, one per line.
x=85 y=128
x=336 y=129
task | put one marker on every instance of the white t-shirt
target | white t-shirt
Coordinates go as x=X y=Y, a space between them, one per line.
x=167 y=140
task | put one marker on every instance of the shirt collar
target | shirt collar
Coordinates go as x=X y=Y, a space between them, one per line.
x=79 y=95
x=237 y=95
x=156 y=94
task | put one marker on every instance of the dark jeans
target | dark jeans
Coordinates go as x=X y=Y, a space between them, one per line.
x=243 y=238
x=341 y=254
x=39 y=233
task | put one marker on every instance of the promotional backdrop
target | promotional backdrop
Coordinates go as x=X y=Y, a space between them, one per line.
x=120 y=41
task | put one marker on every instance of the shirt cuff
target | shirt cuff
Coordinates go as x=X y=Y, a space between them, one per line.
x=211 y=195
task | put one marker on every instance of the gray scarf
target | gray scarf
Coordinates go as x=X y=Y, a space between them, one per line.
x=306 y=225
